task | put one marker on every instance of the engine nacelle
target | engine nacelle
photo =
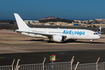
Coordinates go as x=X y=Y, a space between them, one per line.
x=58 y=38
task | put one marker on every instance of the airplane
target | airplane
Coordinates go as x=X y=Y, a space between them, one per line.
x=55 y=34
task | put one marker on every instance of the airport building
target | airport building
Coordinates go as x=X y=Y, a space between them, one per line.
x=31 y=21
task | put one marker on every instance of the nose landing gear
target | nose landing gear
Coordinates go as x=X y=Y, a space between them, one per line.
x=91 y=41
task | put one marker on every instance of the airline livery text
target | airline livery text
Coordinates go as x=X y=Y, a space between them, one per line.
x=74 y=32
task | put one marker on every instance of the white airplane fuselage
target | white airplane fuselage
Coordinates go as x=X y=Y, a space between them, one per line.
x=69 y=33
x=55 y=34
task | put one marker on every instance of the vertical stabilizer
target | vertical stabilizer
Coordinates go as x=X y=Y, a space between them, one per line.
x=21 y=24
x=99 y=31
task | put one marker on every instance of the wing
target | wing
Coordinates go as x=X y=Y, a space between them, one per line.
x=44 y=34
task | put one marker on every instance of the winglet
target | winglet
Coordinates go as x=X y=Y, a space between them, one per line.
x=21 y=24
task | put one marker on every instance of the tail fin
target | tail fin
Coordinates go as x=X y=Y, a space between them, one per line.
x=21 y=24
x=99 y=31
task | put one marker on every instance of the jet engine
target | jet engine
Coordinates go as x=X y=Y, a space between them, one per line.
x=58 y=38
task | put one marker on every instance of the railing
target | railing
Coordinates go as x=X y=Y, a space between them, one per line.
x=56 y=66
x=6 y=67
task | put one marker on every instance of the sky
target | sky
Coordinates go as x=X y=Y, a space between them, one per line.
x=64 y=9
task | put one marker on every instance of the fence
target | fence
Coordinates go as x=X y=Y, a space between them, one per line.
x=56 y=66
x=6 y=67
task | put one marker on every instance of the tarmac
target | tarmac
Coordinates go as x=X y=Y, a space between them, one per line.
x=32 y=50
x=17 y=43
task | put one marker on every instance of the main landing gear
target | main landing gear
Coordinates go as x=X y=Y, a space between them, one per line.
x=50 y=39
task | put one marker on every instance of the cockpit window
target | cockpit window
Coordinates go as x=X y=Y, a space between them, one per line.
x=95 y=33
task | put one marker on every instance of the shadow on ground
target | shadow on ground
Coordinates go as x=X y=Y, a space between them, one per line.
x=35 y=40
x=67 y=41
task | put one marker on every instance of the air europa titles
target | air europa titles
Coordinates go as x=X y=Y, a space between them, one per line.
x=74 y=32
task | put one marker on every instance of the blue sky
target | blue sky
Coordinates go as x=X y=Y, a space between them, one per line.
x=37 y=9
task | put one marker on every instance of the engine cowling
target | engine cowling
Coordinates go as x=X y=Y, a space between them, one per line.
x=58 y=38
